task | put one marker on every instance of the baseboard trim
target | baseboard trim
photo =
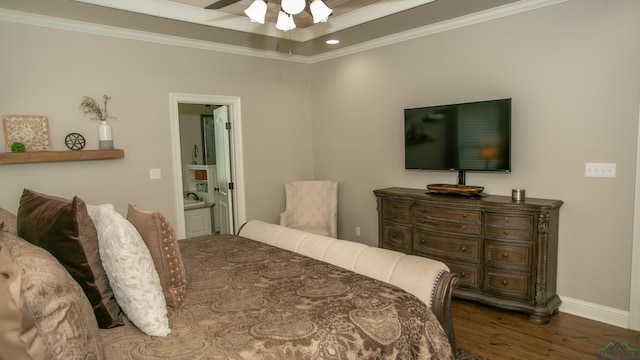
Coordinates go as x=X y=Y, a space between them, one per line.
x=595 y=312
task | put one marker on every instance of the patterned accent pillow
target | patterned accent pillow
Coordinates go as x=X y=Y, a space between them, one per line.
x=8 y=222
x=63 y=227
x=157 y=233
x=45 y=314
x=131 y=271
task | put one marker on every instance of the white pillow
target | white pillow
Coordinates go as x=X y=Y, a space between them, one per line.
x=130 y=269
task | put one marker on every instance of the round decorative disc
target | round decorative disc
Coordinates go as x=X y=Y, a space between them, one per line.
x=75 y=141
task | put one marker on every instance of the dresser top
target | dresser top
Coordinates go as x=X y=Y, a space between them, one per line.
x=481 y=200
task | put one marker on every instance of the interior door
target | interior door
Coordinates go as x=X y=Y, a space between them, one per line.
x=208 y=139
x=224 y=195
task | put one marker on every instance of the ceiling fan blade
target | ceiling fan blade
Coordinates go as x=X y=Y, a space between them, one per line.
x=220 y=4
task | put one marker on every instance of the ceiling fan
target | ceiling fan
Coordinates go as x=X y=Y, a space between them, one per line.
x=258 y=9
x=220 y=4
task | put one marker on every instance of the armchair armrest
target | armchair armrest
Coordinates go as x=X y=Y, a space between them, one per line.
x=285 y=219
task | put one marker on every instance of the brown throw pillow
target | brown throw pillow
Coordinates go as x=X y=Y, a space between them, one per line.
x=64 y=228
x=44 y=312
x=160 y=238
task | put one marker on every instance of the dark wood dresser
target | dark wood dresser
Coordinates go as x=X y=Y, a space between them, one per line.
x=504 y=251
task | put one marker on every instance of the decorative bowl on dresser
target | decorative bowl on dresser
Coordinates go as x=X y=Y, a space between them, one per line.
x=504 y=251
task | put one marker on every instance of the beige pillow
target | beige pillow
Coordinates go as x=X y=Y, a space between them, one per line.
x=45 y=314
x=63 y=227
x=131 y=271
x=157 y=233
x=8 y=222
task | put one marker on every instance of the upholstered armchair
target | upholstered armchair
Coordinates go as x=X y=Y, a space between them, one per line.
x=312 y=206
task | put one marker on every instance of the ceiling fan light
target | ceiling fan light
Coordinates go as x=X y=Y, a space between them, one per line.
x=285 y=22
x=320 y=11
x=293 y=7
x=257 y=11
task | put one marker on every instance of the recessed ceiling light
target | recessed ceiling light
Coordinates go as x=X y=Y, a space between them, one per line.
x=332 y=42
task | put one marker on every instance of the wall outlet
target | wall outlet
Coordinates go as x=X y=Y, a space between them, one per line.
x=606 y=170
x=155 y=174
x=357 y=230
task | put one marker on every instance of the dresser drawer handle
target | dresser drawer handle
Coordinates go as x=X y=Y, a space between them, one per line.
x=463 y=274
x=394 y=206
x=504 y=282
x=506 y=232
x=464 y=215
x=463 y=248
x=422 y=241
x=393 y=217
x=423 y=211
x=394 y=235
x=463 y=227
x=505 y=255
x=422 y=221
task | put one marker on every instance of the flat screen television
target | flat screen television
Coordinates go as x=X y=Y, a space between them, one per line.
x=474 y=136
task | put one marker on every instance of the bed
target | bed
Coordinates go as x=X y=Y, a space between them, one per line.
x=268 y=293
x=249 y=300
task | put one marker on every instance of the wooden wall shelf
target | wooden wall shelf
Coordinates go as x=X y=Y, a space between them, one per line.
x=55 y=156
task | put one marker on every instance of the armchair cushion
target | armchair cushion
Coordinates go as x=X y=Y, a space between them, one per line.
x=311 y=206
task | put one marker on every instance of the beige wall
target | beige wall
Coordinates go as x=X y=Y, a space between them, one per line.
x=573 y=72
x=47 y=71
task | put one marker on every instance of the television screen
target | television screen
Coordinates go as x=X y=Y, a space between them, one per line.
x=473 y=136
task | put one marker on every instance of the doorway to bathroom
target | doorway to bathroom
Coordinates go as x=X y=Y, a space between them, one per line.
x=207 y=152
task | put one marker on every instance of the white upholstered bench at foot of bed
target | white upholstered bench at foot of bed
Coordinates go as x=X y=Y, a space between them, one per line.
x=427 y=279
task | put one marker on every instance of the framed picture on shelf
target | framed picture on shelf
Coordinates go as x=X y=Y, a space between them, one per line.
x=30 y=130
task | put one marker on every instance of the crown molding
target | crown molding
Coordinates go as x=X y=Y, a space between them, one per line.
x=459 y=22
x=105 y=30
x=112 y=31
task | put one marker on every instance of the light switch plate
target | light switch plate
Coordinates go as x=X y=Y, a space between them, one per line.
x=605 y=170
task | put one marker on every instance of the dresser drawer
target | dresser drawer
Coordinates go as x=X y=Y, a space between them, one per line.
x=468 y=216
x=508 y=234
x=508 y=227
x=448 y=226
x=449 y=247
x=469 y=275
x=396 y=211
x=396 y=236
x=507 y=255
x=509 y=284
x=391 y=246
x=509 y=221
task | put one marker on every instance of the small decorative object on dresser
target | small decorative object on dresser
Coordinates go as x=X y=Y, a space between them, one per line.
x=504 y=251
x=91 y=107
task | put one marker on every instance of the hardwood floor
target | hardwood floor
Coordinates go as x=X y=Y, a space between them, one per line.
x=498 y=334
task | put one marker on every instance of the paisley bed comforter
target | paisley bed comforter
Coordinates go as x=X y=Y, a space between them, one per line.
x=249 y=300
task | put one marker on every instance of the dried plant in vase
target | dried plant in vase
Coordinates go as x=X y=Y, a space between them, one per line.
x=91 y=107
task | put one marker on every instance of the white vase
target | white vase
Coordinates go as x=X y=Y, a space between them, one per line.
x=105 y=138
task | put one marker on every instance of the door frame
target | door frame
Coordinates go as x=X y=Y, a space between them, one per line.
x=235 y=151
x=634 y=298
